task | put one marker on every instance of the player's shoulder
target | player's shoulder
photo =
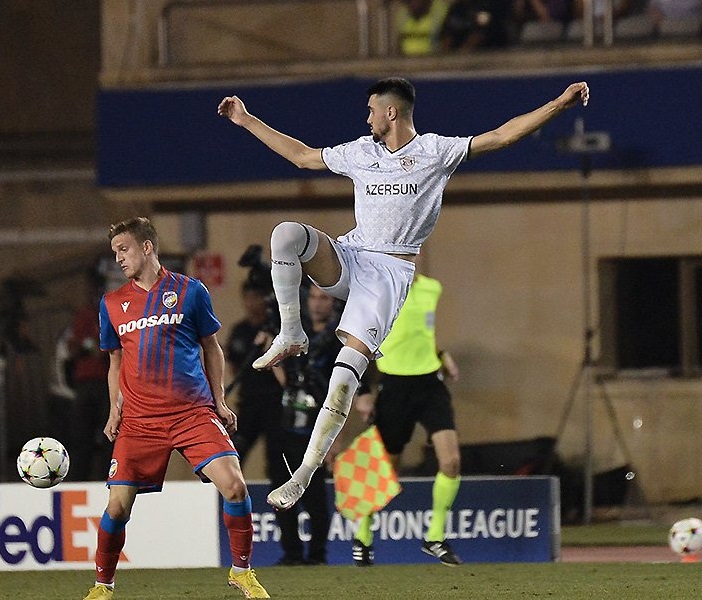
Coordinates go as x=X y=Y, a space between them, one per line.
x=436 y=140
x=182 y=280
x=365 y=141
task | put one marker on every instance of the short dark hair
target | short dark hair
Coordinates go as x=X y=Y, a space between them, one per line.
x=398 y=86
x=140 y=227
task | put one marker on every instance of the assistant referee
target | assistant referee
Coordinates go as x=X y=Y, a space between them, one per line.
x=411 y=390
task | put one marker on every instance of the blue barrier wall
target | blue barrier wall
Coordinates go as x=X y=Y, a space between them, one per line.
x=174 y=136
x=494 y=519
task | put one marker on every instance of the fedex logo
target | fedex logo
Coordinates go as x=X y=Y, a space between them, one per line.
x=51 y=537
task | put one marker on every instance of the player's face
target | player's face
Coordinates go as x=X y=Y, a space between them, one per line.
x=129 y=254
x=378 y=118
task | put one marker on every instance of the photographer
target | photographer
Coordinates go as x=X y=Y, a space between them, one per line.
x=306 y=379
x=259 y=393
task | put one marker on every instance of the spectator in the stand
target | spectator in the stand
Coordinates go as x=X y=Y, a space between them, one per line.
x=675 y=10
x=418 y=23
x=472 y=24
x=91 y=451
x=544 y=11
x=259 y=393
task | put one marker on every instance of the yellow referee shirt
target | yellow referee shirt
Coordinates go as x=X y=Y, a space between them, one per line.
x=410 y=348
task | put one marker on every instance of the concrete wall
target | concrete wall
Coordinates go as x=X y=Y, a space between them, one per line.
x=50 y=65
x=237 y=32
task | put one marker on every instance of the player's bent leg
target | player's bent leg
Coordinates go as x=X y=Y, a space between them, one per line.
x=121 y=501
x=292 y=246
x=289 y=243
x=324 y=267
x=225 y=473
x=348 y=369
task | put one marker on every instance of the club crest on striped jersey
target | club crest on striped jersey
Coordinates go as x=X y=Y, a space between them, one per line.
x=170 y=299
x=407 y=162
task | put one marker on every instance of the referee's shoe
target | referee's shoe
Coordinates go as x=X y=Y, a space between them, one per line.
x=443 y=552
x=363 y=556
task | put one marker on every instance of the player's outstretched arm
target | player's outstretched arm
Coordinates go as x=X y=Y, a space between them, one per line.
x=519 y=127
x=298 y=153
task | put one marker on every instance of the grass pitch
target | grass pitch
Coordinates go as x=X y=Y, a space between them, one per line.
x=553 y=581
x=615 y=533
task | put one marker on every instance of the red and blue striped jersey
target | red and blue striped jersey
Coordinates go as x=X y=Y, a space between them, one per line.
x=159 y=332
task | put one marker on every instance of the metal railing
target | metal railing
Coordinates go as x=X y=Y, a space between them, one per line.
x=373 y=23
x=590 y=20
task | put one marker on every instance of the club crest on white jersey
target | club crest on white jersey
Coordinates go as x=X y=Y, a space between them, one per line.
x=407 y=162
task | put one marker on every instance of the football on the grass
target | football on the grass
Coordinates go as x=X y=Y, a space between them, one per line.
x=685 y=536
x=43 y=462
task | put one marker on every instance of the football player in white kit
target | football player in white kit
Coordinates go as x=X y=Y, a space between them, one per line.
x=399 y=178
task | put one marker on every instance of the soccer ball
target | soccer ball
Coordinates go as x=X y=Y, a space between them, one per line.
x=43 y=462
x=685 y=536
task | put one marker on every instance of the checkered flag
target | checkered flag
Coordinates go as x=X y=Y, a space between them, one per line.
x=364 y=478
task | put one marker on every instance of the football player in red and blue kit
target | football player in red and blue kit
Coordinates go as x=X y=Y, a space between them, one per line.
x=164 y=397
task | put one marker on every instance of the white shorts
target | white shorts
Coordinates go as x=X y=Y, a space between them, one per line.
x=375 y=286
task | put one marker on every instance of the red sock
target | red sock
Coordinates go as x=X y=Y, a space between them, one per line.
x=110 y=541
x=237 y=520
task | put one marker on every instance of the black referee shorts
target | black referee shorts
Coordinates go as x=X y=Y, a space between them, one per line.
x=405 y=400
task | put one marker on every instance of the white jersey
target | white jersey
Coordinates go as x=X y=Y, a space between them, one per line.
x=397 y=194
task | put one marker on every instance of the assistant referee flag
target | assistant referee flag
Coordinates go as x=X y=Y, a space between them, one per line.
x=364 y=478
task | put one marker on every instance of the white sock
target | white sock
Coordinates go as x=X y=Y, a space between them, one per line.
x=291 y=245
x=349 y=367
x=107 y=585
x=238 y=570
